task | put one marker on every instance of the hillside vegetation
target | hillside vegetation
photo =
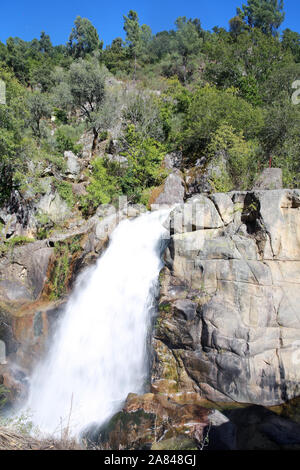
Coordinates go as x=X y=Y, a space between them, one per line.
x=120 y=110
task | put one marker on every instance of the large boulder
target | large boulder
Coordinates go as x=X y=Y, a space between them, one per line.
x=53 y=206
x=23 y=271
x=270 y=178
x=73 y=165
x=172 y=190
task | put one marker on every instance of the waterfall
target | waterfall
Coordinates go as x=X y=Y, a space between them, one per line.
x=99 y=352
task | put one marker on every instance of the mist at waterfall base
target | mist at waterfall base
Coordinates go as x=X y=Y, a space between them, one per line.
x=99 y=351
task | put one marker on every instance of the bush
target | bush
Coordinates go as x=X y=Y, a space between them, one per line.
x=241 y=159
x=65 y=191
x=209 y=109
x=103 y=187
x=61 y=116
x=66 y=138
x=144 y=168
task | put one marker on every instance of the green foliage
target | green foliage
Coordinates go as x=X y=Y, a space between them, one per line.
x=103 y=187
x=11 y=243
x=45 y=225
x=39 y=107
x=59 y=277
x=241 y=159
x=143 y=170
x=224 y=95
x=4 y=392
x=264 y=14
x=281 y=125
x=142 y=111
x=116 y=57
x=84 y=38
x=12 y=123
x=220 y=179
x=291 y=41
x=188 y=44
x=83 y=88
x=66 y=139
x=22 y=424
x=133 y=35
x=64 y=189
x=210 y=108
x=60 y=115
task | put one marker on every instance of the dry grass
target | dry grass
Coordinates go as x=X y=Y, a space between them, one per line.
x=11 y=440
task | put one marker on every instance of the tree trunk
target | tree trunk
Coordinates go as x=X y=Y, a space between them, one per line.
x=134 y=73
x=95 y=140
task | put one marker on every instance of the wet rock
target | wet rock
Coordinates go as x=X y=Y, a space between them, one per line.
x=152 y=420
x=175 y=443
x=259 y=428
x=221 y=432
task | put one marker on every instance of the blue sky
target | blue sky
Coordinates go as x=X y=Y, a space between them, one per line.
x=27 y=19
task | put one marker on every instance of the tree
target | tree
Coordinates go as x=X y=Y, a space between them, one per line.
x=162 y=43
x=84 y=38
x=291 y=41
x=103 y=187
x=144 y=164
x=138 y=38
x=39 y=108
x=16 y=58
x=188 y=41
x=83 y=88
x=267 y=15
x=143 y=112
x=236 y=25
x=45 y=43
x=12 y=118
x=208 y=109
x=115 y=56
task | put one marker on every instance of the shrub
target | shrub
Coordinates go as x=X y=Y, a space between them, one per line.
x=144 y=168
x=211 y=108
x=61 y=116
x=66 y=138
x=65 y=191
x=103 y=187
x=241 y=163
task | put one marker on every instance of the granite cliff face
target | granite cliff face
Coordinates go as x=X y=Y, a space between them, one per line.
x=229 y=307
x=226 y=340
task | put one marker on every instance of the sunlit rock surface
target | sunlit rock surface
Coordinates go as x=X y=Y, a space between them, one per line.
x=230 y=298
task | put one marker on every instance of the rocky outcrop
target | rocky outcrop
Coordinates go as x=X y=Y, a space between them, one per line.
x=226 y=340
x=229 y=317
x=153 y=421
x=73 y=164
x=171 y=192
x=270 y=178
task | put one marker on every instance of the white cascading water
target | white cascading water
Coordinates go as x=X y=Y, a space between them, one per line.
x=99 y=352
